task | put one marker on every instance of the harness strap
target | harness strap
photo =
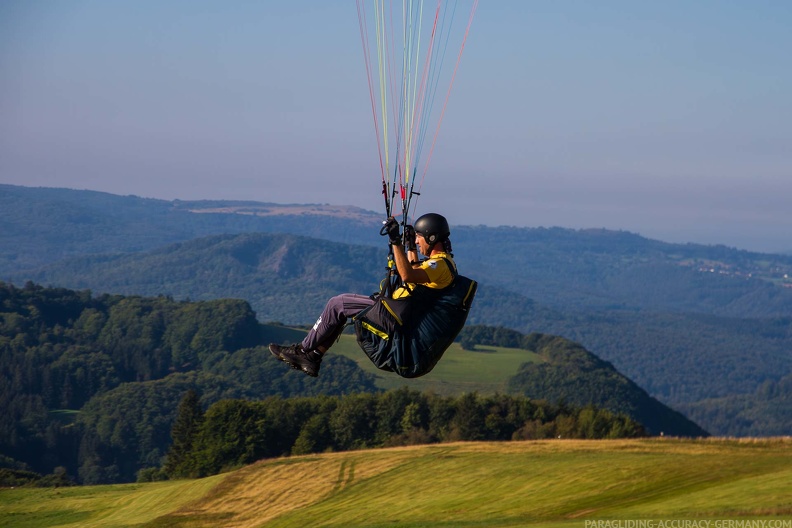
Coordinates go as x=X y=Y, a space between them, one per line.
x=451 y=268
x=384 y=293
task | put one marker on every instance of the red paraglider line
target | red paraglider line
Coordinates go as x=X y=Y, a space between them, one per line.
x=367 y=59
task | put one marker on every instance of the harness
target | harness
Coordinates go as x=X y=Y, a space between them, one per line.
x=408 y=336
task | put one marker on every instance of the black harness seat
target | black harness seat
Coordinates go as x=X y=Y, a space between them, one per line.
x=409 y=336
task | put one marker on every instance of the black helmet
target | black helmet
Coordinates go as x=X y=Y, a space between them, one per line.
x=433 y=227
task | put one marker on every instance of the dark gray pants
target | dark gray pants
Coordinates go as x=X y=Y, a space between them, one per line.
x=331 y=322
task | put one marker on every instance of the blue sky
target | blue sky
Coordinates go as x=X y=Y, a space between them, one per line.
x=670 y=119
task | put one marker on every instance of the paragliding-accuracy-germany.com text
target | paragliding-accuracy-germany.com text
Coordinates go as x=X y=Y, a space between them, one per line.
x=688 y=523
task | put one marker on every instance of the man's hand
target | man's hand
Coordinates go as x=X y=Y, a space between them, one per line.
x=392 y=230
x=409 y=238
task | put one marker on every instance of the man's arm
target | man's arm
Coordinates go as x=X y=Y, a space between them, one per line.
x=407 y=271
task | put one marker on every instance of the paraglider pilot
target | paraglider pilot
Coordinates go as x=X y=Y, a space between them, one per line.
x=430 y=237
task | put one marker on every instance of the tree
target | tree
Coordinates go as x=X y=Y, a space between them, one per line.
x=314 y=436
x=189 y=418
x=234 y=433
x=468 y=421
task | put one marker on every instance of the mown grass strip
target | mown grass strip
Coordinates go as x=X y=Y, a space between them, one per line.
x=495 y=485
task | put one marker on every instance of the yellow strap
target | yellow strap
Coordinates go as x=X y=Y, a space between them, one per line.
x=469 y=293
x=373 y=330
x=398 y=319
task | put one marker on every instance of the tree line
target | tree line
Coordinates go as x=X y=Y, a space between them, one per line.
x=231 y=433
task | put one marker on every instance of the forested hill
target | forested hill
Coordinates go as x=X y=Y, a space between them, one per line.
x=705 y=329
x=284 y=278
x=92 y=384
x=569 y=373
x=680 y=358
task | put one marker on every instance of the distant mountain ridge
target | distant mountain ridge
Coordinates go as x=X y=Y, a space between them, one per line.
x=285 y=279
x=592 y=268
x=260 y=209
x=44 y=225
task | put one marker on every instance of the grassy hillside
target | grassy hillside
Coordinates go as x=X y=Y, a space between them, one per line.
x=485 y=369
x=95 y=506
x=546 y=483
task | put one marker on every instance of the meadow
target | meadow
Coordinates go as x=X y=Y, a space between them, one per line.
x=486 y=369
x=646 y=483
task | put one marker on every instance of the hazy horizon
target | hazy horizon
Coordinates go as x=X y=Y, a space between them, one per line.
x=671 y=120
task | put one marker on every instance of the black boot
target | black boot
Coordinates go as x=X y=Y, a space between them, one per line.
x=308 y=361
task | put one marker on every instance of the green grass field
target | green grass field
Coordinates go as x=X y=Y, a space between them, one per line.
x=552 y=483
x=99 y=506
x=485 y=369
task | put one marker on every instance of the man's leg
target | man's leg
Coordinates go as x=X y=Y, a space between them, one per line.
x=331 y=322
x=307 y=356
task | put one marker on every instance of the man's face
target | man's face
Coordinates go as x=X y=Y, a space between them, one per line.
x=423 y=245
